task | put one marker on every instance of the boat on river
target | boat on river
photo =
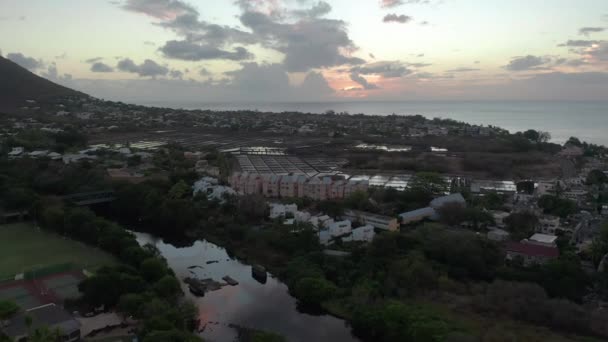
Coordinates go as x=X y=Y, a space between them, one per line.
x=258 y=272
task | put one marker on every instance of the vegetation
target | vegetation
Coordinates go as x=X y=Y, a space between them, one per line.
x=24 y=247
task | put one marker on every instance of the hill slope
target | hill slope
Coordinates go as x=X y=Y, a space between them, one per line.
x=18 y=84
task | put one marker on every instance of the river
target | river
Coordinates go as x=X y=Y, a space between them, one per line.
x=250 y=304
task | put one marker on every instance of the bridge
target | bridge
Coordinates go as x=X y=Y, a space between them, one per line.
x=90 y=198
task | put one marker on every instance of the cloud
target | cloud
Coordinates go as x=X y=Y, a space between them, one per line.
x=148 y=68
x=402 y=19
x=204 y=72
x=585 y=31
x=101 y=67
x=188 y=51
x=386 y=69
x=599 y=52
x=395 y=3
x=579 y=43
x=362 y=81
x=306 y=44
x=320 y=9
x=463 y=70
x=149 y=43
x=93 y=60
x=390 y=3
x=306 y=40
x=28 y=63
x=161 y=9
x=528 y=62
x=176 y=74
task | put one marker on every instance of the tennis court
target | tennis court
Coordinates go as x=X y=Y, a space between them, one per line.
x=50 y=289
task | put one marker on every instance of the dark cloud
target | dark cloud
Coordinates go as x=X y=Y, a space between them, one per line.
x=307 y=40
x=463 y=70
x=161 y=9
x=101 y=67
x=176 y=74
x=600 y=53
x=320 y=9
x=307 y=44
x=579 y=43
x=394 y=18
x=362 y=81
x=195 y=52
x=371 y=55
x=27 y=62
x=148 y=68
x=386 y=69
x=585 y=31
x=424 y=23
x=204 y=72
x=93 y=60
x=528 y=62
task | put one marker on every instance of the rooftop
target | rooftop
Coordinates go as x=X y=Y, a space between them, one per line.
x=533 y=250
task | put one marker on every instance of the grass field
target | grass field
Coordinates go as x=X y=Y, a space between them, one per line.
x=24 y=247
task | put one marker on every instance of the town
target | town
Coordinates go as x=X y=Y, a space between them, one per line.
x=299 y=176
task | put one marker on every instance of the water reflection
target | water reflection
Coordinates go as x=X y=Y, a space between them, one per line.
x=251 y=304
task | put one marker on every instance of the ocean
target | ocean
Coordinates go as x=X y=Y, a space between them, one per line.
x=587 y=121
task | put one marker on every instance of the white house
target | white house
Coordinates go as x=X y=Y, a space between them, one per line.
x=363 y=233
x=340 y=228
x=210 y=186
x=548 y=224
x=16 y=152
x=281 y=210
x=542 y=239
x=499 y=218
x=498 y=235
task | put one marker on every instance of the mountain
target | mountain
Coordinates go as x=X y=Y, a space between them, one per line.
x=18 y=85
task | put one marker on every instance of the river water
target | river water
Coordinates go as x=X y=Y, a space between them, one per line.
x=250 y=304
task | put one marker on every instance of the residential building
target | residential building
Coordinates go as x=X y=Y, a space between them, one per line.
x=339 y=228
x=210 y=186
x=542 y=239
x=364 y=233
x=16 y=152
x=499 y=218
x=377 y=221
x=271 y=185
x=548 y=225
x=452 y=198
x=418 y=215
x=282 y=210
x=531 y=254
x=498 y=235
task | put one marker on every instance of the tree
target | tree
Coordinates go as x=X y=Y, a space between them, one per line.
x=521 y=225
x=153 y=269
x=554 y=205
x=179 y=190
x=167 y=287
x=429 y=182
x=131 y=304
x=596 y=177
x=7 y=310
x=314 y=291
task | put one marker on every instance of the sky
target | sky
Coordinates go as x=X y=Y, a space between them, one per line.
x=310 y=50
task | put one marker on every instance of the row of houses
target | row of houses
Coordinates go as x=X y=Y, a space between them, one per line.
x=296 y=186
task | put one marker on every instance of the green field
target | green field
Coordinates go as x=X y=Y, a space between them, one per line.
x=23 y=247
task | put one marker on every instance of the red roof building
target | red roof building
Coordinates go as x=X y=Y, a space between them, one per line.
x=531 y=253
